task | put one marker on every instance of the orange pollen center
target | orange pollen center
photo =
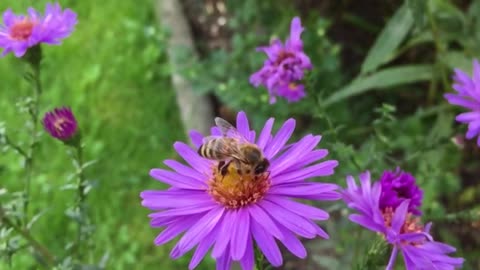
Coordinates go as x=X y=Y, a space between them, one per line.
x=236 y=189
x=282 y=56
x=292 y=86
x=22 y=30
x=412 y=223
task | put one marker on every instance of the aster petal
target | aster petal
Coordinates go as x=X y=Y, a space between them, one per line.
x=292 y=221
x=247 y=262
x=174 y=230
x=196 y=138
x=224 y=235
x=280 y=139
x=266 y=134
x=303 y=210
x=200 y=229
x=262 y=218
x=468 y=117
x=225 y=261
x=192 y=157
x=393 y=257
x=240 y=232
x=243 y=126
x=319 y=231
x=177 y=180
x=203 y=248
x=267 y=244
x=367 y=222
x=9 y=18
x=473 y=129
x=183 y=211
x=399 y=217
x=157 y=200
x=455 y=99
x=291 y=156
x=325 y=168
x=186 y=170
x=302 y=189
x=296 y=29
x=292 y=243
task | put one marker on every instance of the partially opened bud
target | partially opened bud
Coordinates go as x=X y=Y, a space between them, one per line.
x=61 y=123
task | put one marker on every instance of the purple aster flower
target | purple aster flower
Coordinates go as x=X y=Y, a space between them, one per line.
x=468 y=96
x=229 y=213
x=284 y=67
x=60 y=123
x=397 y=187
x=398 y=226
x=20 y=32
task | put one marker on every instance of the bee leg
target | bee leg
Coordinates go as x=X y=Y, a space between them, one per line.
x=223 y=167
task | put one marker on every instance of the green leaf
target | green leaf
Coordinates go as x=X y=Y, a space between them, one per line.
x=382 y=79
x=456 y=59
x=418 y=8
x=389 y=39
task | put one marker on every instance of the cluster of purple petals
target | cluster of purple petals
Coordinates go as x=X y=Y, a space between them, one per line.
x=60 y=123
x=419 y=250
x=20 y=32
x=467 y=96
x=285 y=66
x=398 y=186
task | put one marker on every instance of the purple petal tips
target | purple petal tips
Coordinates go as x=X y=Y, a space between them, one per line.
x=467 y=96
x=60 y=123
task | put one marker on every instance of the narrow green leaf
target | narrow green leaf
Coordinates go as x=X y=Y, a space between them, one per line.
x=389 y=39
x=382 y=79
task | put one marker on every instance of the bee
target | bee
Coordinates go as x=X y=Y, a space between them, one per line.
x=233 y=149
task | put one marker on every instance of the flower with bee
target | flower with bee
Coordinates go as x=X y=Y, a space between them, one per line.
x=239 y=190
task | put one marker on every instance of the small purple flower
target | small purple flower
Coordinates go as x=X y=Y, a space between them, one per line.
x=20 y=32
x=398 y=227
x=397 y=187
x=468 y=96
x=61 y=123
x=229 y=213
x=284 y=67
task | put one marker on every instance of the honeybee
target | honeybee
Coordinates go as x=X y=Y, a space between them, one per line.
x=233 y=148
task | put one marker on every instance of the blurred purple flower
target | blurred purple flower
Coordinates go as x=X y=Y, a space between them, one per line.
x=468 y=96
x=20 y=32
x=61 y=123
x=397 y=187
x=284 y=67
x=228 y=214
x=398 y=226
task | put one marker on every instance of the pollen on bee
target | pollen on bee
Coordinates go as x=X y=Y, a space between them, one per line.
x=234 y=189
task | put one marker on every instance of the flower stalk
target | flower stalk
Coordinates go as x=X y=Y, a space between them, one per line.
x=33 y=58
x=41 y=249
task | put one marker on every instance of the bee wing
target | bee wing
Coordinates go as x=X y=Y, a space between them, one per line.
x=229 y=131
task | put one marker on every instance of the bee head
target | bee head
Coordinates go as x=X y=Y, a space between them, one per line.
x=262 y=166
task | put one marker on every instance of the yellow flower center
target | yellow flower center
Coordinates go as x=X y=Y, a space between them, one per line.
x=412 y=223
x=22 y=30
x=236 y=189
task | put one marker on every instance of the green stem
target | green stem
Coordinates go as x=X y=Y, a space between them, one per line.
x=439 y=50
x=33 y=112
x=81 y=196
x=259 y=259
x=42 y=250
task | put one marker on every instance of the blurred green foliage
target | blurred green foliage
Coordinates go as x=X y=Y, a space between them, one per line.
x=379 y=112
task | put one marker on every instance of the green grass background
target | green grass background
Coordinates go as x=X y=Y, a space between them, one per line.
x=112 y=71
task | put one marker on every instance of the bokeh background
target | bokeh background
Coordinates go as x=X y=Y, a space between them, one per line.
x=378 y=114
